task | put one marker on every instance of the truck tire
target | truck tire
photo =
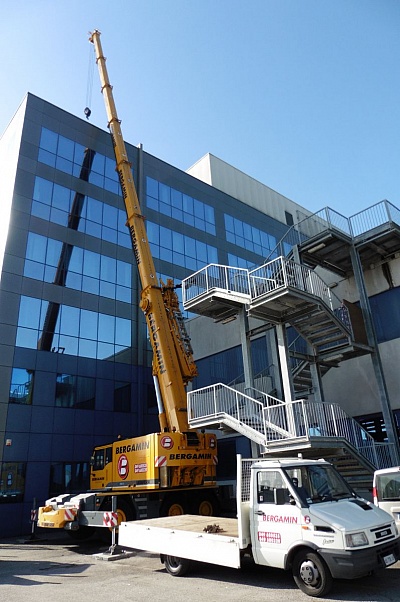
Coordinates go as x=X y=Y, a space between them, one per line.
x=311 y=574
x=177 y=567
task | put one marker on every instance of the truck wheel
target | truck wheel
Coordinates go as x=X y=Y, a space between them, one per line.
x=311 y=574
x=177 y=567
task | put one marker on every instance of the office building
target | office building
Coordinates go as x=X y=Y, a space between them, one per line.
x=75 y=363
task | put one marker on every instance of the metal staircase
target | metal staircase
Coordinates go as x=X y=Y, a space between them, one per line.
x=285 y=429
x=282 y=292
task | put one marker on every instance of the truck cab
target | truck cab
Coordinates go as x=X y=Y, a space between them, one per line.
x=304 y=516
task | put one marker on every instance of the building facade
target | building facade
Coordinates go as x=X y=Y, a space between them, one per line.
x=75 y=363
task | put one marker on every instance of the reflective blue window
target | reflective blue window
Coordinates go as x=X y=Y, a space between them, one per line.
x=55 y=202
x=43 y=191
x=21 y=386
x=69 y=322
x=239 y=262
x=66 y=148
x=88 y=324
x=244 y=235
x=86 y=271
x=49 y=140
x=77 y=331
x=68 y=156
x=180 y=249
x=173 y=203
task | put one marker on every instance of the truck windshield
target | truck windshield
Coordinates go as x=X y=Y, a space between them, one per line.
x=319 y=483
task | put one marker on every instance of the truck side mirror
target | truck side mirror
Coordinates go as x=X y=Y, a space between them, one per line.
x=279 y=497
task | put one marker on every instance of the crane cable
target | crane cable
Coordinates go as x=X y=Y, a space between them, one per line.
x=89 y=90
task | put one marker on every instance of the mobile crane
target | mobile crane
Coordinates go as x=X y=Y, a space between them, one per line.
x=166 y=473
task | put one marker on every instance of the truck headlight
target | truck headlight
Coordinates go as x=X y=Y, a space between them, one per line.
x=355 y=540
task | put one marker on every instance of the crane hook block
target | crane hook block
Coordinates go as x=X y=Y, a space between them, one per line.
x=87 y=112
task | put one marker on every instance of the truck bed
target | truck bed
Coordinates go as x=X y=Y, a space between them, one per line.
x=186 y=536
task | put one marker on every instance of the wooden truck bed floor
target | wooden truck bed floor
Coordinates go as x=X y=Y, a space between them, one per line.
x=195 y=523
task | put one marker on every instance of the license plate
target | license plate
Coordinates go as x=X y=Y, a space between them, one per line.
x=389 y=559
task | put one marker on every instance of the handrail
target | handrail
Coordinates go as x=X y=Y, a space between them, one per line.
x=328 y=219
x=276 y=420
x=309 y=226
x=215 y=276
x=283 y=273
x=377 y=215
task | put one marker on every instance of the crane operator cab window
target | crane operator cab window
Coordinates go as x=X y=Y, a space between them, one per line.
x=101 y=457
x=271 y=488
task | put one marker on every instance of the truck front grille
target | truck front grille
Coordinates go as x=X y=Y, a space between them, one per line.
x=383 y=533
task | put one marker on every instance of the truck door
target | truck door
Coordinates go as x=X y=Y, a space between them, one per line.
x=275 y=523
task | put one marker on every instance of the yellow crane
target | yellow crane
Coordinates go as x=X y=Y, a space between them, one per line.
x=172 y=471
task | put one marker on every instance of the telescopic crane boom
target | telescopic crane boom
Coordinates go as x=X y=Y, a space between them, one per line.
x=173 y=365
x=169 y=472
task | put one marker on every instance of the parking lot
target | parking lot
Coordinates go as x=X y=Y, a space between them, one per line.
x=54 y=567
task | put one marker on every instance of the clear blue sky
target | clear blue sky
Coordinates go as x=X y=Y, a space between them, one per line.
x=303 y=95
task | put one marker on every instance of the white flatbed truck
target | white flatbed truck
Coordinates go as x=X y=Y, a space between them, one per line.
x=293 y=514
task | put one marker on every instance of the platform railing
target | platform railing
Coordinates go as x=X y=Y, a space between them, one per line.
x=283 y=273
x=373 y=217
x=215 y=276
x=326 y=218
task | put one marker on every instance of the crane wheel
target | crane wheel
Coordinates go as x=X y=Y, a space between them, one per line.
x=204 y=505
x=175 y=509
x=172 y=507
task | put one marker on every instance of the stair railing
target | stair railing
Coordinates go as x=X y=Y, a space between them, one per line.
x=277 y=420
x=215 y=276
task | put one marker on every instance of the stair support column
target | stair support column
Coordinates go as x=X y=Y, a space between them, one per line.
x=247 y=365
x=286 y=374
x=316 y=382
x=375 y=357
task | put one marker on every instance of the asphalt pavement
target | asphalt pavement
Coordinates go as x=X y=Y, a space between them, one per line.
x=54 y=567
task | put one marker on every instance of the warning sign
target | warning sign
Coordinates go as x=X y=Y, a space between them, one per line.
x=110 y=519
x=160 y=461
x=123 y=466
